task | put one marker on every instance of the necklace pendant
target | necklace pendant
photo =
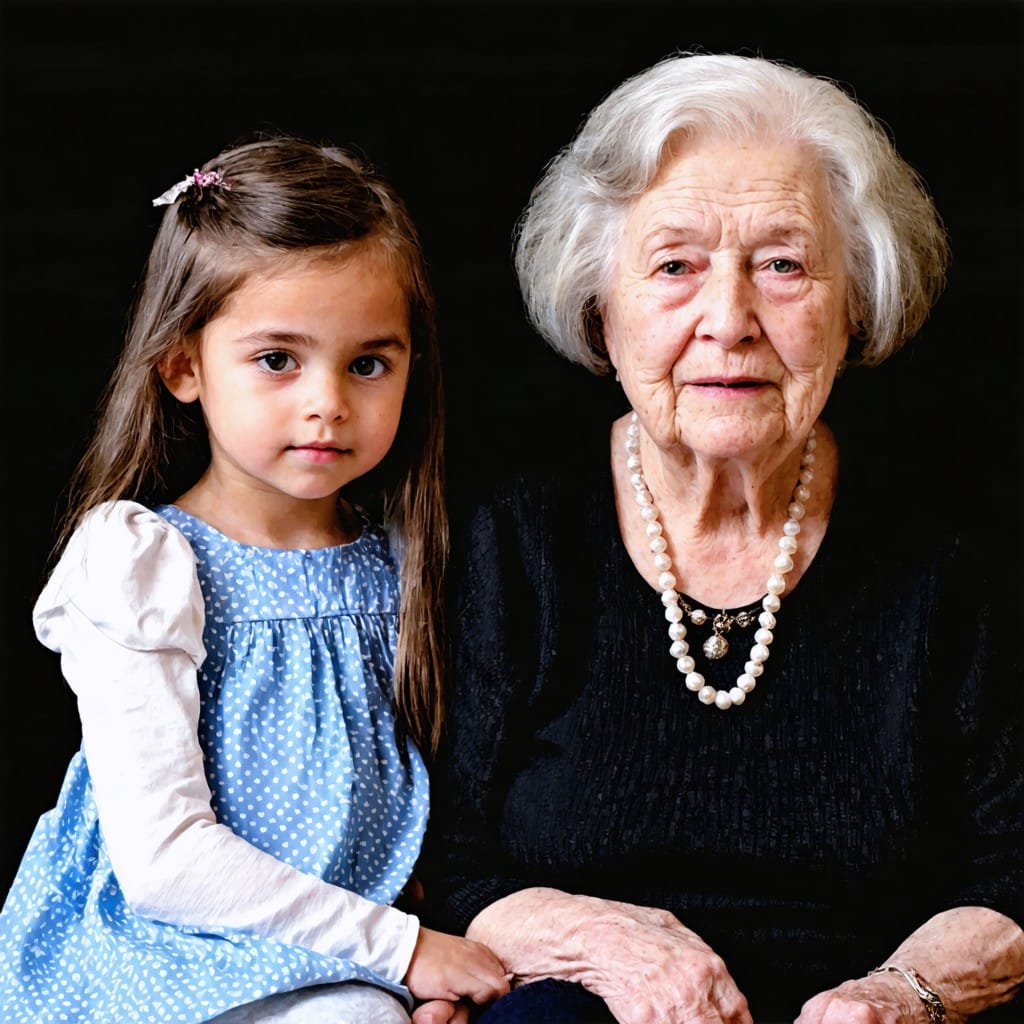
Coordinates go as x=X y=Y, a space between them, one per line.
x=716 y=646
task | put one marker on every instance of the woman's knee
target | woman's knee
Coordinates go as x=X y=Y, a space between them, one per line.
x=551 y=1001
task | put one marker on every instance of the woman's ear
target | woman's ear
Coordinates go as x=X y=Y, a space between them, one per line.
x=178 y=370
x=856 y=343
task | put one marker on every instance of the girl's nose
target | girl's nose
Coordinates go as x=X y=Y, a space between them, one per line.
x=327 y=399
x=726 y=302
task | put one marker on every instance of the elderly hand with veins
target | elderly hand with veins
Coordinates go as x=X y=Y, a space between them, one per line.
x=972 y=956
x=642 y=961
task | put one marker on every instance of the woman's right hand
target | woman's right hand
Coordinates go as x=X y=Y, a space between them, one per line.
x=447 y=967
x=646 y=965
x=651 y=969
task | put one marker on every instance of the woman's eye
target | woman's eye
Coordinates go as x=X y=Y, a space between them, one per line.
x=673 y=268
x=277 y=362
x=368 y=366
x=783 y=265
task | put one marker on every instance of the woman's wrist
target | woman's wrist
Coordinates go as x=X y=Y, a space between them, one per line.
x=532 y=931
x=971 y=957
x=931 y=1001
x=548 y=933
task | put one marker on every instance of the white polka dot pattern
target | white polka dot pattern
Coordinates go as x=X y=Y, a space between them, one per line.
x=302 y=762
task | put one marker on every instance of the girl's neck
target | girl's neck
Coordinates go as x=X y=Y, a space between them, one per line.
x=271 y=519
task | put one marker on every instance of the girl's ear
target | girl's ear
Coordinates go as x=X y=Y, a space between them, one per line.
x=178 y=371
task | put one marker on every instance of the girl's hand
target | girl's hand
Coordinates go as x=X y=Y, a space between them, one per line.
x=447 y=968
x=441 y=1011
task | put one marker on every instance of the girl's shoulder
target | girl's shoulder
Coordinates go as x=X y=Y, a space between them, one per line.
x=123 y=537
x=127 y=571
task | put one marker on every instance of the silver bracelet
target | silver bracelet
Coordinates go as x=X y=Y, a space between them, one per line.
x=932 y=1003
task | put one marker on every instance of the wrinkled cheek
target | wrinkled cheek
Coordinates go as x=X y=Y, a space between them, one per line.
x=818 y=367
x=616 y=343
x=822 y=345
x=655 y=360
x=669 y=368
x=806 y=395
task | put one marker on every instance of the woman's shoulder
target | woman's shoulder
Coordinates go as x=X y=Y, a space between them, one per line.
x=542 y=514
x=914 y=520
x=530 y=506
x=570 y=469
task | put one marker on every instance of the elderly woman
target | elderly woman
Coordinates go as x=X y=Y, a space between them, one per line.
x=731 y=733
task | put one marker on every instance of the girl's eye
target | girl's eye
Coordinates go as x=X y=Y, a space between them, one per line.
x=277 y=362
x=781 y=265
x=369 y=366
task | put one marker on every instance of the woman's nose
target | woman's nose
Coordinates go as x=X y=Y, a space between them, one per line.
x=727 y=299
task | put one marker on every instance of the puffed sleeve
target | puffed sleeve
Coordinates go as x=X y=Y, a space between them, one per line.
x=133 y=576
x=124 y=609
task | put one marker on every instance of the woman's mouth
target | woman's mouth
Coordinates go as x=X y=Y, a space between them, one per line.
x=737 y=384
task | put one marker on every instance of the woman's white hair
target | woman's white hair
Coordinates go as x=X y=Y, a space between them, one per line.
x=896 y=247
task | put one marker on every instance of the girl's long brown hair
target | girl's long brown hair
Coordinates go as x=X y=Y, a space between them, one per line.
x=283 y=197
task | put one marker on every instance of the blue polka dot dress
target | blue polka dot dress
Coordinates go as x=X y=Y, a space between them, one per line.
x=226 y=834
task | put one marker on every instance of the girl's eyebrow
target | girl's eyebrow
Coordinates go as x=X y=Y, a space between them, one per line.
x=387 y=342
x=270 y=336
x=297 y=339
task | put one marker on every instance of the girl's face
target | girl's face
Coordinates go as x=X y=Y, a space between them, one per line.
x=727 y=315
x=301 y=376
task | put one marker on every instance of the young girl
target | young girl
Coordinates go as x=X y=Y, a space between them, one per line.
x=253 y=669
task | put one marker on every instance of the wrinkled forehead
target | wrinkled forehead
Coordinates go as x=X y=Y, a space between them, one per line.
x=779 y=187
x=748 y=142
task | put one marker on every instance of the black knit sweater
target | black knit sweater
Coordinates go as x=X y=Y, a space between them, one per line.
x=872 y=779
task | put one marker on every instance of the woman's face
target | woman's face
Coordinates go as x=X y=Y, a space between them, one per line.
x=726 y=317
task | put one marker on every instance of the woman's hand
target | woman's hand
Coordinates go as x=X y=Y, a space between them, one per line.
x=445 y=968
x=650 y=969
x=643 y=962
x=879 y=999
x=972 y=956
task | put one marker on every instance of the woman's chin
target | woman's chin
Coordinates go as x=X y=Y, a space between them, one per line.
x=739 y=439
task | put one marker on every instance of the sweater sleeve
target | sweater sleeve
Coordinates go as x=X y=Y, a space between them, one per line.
x=124 y=609
x=494 y=661
x=978 y=648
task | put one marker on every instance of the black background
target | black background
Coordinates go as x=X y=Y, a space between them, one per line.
x=105 y=105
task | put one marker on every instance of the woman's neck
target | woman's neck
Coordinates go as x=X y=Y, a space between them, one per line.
x=722 y=519
x=711 y=496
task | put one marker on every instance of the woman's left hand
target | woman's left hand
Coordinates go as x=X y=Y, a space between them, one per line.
x=879 y=999
x=972 y=956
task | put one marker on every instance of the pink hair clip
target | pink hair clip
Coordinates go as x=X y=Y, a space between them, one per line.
x=197 y=179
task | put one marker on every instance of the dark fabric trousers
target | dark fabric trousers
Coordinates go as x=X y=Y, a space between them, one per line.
x=563 y=1002
x=547 y=1002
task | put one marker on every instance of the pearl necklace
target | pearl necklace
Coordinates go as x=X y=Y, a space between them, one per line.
x=776 y=584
